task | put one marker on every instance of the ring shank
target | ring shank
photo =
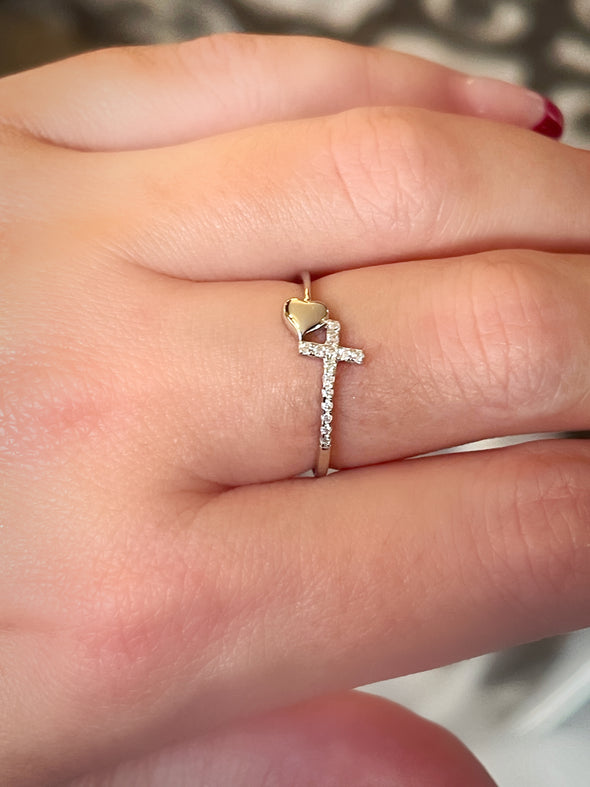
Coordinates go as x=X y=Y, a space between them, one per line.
x=304 y=317
x=323 y=462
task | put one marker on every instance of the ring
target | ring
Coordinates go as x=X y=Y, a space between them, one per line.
x=304 y=317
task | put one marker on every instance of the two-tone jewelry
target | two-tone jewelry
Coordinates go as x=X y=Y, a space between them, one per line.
x=304 y=317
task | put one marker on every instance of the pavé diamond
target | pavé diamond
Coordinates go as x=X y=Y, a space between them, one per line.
x=331 y=353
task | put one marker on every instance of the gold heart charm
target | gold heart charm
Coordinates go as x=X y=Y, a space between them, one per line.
x=304 y=316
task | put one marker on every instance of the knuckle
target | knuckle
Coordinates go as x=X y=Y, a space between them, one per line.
x=381 y=162
x=222 y=51
x=42 y=416
x=539 y=535
x=195 y=58
x=140 y=58
x=153 y=61
x=155 y=600
x=60 y=389
x=513 y=332
x=148 y=601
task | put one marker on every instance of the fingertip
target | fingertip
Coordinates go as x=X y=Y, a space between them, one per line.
x=502 y=101
x=552 y=123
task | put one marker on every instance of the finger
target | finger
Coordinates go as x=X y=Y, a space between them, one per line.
x=354 y=738
x=155 y=96
x=455 y=351
x=355 y=189
x=269 y=595
x=394 y=569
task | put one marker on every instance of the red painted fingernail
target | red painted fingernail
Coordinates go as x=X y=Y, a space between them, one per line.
x=552 y=123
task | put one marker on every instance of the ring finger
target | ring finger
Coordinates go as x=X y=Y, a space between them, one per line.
x=475 y=347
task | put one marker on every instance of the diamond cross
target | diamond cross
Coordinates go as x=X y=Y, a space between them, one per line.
x=331 y=353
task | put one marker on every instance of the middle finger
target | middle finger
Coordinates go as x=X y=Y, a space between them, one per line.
x=366 y=186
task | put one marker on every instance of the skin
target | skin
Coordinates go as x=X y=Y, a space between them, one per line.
x=186 y=609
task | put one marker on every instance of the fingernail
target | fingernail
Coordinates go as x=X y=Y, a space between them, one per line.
x=552 y=123
x=508 y=103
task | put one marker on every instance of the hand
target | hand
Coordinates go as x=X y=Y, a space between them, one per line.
x=162 y=572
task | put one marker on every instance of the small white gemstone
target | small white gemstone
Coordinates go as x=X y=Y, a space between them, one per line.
x=350 y=354
x=331 y=353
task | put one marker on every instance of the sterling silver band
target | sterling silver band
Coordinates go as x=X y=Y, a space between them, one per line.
x=303 y=317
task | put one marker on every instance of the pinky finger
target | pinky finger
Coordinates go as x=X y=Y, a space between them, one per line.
x=345 y=739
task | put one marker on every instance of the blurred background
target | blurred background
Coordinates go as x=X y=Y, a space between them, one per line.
x=526 y=711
